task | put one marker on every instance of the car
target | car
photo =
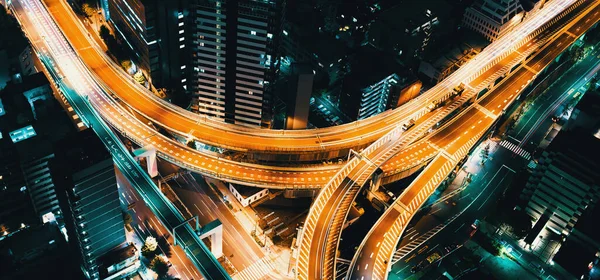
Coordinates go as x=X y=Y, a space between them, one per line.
x=474 y=228
x=555 y=119
x=433 y=257
x=418 y=267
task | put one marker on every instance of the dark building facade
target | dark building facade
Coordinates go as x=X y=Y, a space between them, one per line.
x=225 y=53
x=158 y=36
x=84 y=175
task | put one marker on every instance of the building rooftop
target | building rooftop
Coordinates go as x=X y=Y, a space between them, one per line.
x=246 y=191
x=590 y=103
x=370 y=66
x=445 y=57
x=588 y=224
x=28 y=83
x=117 y=255
x=35 y=239
x=581 y=152
x=81 y=150
x=574 y=257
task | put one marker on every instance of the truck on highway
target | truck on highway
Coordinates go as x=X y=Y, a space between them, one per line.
x=458 y=90
x=433 y=105
x=408 y=125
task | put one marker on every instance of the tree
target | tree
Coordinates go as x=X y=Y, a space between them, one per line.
x=127 y=219
x=594 y=81
x=191 y=144
x=87 y=9
x=139 y=77
x=161 y=92
x=126 y=64
x=160 y=266
x=577 y=53
x=518 y=223
x=150 y=246
x=104 y=33
x=485 y=152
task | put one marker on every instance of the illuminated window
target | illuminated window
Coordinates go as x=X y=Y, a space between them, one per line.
x=181 y=24
x=181 y=39
x=182 y=46
x=182 y=67
x=253 y=32
x=180 y=31
x=180 y=15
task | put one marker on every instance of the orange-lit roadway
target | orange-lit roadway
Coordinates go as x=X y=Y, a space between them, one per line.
x=205 y=163
x=301 y=145
x=320 y=236
x=373 y=258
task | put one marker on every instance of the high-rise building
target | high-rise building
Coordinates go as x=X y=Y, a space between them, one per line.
x=578 y=255
x=225 y=53
x=236 y=59
x=15 y=206
x=564 y=184
x=84 y=174
x=408 y=29
x=32 y=122
x=493 y=18
x=157 y=34
x=375 y=84
x=299 y=90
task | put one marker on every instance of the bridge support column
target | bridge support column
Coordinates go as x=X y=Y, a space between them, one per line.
x=214 y=231
x=148 y=152
x=374 y=184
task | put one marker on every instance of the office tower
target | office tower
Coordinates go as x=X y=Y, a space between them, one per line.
x=236 y=58
x=84 y=175
x=15 y=206
x=493 y=18
x=375 y=84
x=578 y=255
x=564 y=184
x=299 y=91
x=155 y=32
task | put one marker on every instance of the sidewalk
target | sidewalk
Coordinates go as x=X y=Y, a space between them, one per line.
x=525 y=258
x=529 y=261
x=501 y=267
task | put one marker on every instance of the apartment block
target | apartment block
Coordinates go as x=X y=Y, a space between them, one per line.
x=493 y=18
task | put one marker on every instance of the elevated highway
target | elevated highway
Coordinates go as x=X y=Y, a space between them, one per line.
x=263 y=145
x=210 y=164
x=322 y=228
x=372 y=259
x=77 y=88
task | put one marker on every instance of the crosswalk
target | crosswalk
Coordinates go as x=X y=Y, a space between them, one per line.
x=515 y=149
x=258 y=270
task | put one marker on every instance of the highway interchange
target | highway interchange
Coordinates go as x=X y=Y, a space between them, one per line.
x=456 y=138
